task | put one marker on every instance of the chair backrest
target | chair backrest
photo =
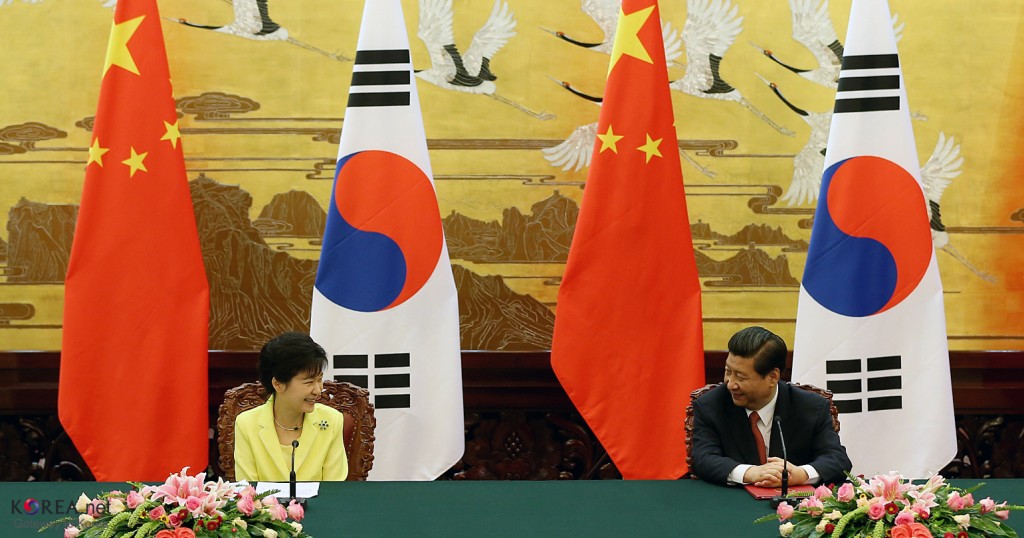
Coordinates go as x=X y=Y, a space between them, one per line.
x=688 y=426
x=824 y=393
x=353 y=401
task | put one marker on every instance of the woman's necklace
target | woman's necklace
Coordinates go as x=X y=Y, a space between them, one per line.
x=286 y=428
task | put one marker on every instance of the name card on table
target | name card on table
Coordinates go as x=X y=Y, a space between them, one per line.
x=303 y=490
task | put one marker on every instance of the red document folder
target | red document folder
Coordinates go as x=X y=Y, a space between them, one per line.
x=767 y=493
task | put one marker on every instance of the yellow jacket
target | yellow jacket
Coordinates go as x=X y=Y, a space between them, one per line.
x=320 y=455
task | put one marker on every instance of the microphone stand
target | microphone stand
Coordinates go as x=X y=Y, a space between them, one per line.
x=291 y=478
x=779 y=499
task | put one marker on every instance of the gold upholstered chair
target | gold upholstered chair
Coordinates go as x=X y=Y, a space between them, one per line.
x=827 y=394
x=353 y=401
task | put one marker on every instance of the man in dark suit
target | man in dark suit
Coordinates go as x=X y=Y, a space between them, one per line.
x=725 y=443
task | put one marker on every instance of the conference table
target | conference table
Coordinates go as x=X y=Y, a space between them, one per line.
x=497 y=508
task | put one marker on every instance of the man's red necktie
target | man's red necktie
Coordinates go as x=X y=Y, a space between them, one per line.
x=762 y=453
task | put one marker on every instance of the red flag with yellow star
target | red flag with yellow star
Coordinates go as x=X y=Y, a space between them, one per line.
x=133 y=373
x=628 y=345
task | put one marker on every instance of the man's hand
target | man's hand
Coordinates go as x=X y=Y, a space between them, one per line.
x=769 y=475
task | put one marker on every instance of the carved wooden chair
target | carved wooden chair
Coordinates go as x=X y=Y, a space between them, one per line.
x=688 y=426
x=353 y=401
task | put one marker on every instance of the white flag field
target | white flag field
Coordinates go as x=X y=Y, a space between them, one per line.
x=871 y=325
x=384 y=306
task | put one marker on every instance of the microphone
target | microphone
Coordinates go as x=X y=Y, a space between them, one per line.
x=778 y=499
x=291 y=476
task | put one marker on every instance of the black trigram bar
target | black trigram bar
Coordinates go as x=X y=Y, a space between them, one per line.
x=391 y=360
x=884 y=383
x=886 y=402
x=379 y=78
x=378 y=99
x=392 y=401
x=848 y=406
x=844 y=386
x=865 y=104
x=387 y=56
x=867 y=84
x=351 y=361
x=401 y=96
x=870 y=61
x=859 y=84
x=391 y=381
x=358 y=380
x=842 y=366
x=884 y=363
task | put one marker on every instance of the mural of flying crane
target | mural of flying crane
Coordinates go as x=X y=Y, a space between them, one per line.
x=755 y=258
x=261 y=84
x=813 y=28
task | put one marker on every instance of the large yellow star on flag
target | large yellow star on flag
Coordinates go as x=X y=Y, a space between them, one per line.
x=135 y=162
x=650 y=149
x=608 y=140
x=117 y=50
x=96 y=153
x=172 y=134
x=627 y=40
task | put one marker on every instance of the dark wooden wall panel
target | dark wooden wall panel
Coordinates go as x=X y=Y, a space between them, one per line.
x=519 y=422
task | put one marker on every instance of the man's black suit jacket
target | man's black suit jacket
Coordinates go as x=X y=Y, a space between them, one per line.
x=722 y=438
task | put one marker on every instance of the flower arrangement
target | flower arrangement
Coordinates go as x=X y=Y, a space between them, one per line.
x=888 y=506
x=184 y=507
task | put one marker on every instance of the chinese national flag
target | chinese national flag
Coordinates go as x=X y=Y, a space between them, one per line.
x=628 y=346
x=133 y=377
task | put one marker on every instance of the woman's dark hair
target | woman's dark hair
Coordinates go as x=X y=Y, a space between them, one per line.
x=766 y=348
x=287 y=355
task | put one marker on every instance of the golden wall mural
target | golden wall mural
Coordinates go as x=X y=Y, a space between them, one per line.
x=261 y=96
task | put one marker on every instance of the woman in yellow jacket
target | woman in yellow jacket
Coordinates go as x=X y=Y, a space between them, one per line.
x=291 y=368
